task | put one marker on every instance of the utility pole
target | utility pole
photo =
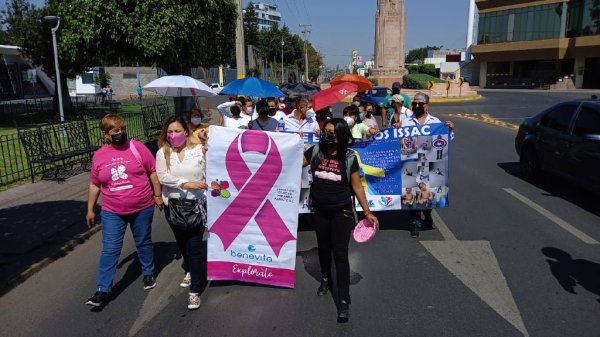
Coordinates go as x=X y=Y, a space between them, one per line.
x=240 y=56
x=305 y=32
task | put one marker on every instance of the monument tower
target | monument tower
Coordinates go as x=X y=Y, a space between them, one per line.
x=390 y=23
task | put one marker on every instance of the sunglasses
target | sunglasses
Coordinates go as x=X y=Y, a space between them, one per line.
x=418 y=103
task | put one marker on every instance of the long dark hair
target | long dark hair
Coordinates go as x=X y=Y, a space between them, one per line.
x=343 y=135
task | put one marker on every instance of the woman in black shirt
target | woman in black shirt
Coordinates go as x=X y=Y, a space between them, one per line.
x=332 y=205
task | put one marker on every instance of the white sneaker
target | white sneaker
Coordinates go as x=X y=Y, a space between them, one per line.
x=187 y=280
x=194 y=301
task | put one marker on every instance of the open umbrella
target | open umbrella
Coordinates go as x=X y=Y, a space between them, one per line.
x=362 y=82
x=293 y=90
x=179 y=86
x=252 y=86
x=332 y=95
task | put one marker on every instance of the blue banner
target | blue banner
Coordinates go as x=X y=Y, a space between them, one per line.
x=405 y=168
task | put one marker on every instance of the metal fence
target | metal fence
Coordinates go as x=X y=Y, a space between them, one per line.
x=15 y=166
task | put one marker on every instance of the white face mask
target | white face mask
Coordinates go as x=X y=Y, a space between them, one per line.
x=196 y=120
x=310 y=113
x=349 y=120
x=249 y=110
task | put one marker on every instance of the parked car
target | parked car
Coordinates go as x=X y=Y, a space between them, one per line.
x=377 y=95
x=564 y=141
x=216 y=87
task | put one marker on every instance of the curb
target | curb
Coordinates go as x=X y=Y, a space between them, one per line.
x=438 y=100
x=455 y=99
x=61 y=252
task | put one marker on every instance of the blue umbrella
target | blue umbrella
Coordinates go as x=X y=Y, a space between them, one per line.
x=252 y=86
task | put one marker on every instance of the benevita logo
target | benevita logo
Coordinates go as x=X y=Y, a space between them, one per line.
x=251 y=255
x=385 y=201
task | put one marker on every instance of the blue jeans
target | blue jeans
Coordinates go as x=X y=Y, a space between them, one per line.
x=113 y=232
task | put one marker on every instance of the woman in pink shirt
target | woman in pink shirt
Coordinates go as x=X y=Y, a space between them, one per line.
x=123 y=172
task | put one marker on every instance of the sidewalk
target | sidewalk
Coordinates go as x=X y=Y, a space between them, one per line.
x=38 y=224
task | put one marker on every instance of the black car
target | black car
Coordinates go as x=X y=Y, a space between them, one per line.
x=563 y=140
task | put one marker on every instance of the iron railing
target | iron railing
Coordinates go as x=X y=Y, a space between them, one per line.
x=15 y=165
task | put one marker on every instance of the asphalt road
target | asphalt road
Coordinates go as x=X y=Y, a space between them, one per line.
x=508 y=259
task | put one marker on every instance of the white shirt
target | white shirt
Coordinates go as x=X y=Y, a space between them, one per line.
x=292 y=124
x=228 y=119
x=240 y=122
x=412 y=121
x=278 y=115
x=191 y=168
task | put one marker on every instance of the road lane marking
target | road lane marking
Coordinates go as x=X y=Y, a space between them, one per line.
x=552 y=217
x=486 y=118
x=442 y=227
x=476 y=266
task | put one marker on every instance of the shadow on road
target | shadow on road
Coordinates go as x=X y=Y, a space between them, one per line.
x=164 y=254
x=570 y=273
x=556 y=187
x=33 y=232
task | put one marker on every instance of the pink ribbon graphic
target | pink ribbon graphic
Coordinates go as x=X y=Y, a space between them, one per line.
x=252 y=192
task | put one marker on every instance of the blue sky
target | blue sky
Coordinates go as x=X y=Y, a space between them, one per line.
x=339 y=26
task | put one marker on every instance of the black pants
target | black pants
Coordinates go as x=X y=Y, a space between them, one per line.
x=190 y=246
x=333 y=230
x=416 y=214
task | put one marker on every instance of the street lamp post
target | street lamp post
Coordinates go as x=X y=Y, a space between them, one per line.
x=53 y=18
x=282 y=44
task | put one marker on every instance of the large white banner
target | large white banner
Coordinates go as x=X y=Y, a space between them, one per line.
x=254 y=179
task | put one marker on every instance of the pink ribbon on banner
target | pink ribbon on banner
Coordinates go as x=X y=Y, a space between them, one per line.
x=253 y=191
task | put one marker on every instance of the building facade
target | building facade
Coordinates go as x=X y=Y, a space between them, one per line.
x=267 y=15
x=538 y=43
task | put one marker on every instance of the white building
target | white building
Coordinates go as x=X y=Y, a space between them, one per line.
x=267 y=15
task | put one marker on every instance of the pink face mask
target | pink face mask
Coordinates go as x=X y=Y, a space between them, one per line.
x=176 y=139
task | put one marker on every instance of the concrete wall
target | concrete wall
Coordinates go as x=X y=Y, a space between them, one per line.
x=124 y=79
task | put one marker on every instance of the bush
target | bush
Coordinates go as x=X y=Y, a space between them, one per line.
x=419 y=81
x=374 y=81
x=428 y=69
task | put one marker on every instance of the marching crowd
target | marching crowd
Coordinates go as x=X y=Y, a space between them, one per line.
x=132 y=183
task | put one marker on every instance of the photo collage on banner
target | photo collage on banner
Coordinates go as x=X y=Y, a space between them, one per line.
x=404 y=168
x=253 y=205
x=425 y=170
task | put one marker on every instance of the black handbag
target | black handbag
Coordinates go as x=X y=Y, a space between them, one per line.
x=186 y=214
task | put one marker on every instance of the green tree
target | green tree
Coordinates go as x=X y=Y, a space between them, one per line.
x=17 y=17
x=250 y=25
x=419 y=54
x=169 y=34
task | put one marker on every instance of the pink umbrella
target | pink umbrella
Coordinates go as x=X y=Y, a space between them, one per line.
x=327 y=97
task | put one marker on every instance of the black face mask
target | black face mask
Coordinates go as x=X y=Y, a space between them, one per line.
x=272 y=111
x=118 y=139
x=418 y=111
x=328 y=142
x=263 y=112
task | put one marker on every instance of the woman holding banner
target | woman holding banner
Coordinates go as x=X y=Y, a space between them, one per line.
x=335 y=179
x=180 y=166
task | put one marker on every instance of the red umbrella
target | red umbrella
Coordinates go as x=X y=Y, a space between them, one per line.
x=327 y=97
x=362 y=82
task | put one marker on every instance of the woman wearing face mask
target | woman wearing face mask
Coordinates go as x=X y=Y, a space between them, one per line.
x=359 y=129
x=332 y=207
x=263 y=122
x=120 y=172
x=194 y=119
x=370 y=119
x=248 y=109
x=180 y=166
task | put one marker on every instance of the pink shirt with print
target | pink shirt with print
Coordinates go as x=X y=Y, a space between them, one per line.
x=123 y=181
